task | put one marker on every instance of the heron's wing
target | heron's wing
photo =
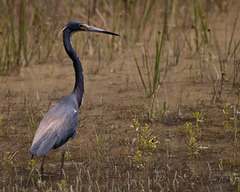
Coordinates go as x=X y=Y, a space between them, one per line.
x=58 y=125
x=68 y=128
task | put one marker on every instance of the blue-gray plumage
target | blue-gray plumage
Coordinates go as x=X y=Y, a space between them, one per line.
x=60 y=123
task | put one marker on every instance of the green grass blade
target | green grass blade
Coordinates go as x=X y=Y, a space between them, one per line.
x=196 y=25
x=159 y=46
x=233 y=31
x=204 y=26
x=187 y=41
x=146 y=15
x=140 y=74
x=235 y=48
x=166 y=66
x=148 y=70
x=220 y=58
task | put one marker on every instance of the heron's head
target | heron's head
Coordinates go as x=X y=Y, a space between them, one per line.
x=76 y=26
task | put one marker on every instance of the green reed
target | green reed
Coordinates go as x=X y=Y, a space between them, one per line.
x=145 y=17
x=196 y=40
x=200 y=25
x=153 y=73
x=29 y=32
x=232 y=50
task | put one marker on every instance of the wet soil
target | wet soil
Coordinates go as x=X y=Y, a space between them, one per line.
x=113 y=96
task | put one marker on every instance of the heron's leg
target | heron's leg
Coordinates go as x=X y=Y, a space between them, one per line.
x=61 y=170
x=63 y=149
x=42 y=168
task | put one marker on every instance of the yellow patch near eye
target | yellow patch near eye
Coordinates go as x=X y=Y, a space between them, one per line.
x=83 y=26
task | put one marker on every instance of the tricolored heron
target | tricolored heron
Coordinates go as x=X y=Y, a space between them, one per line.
x=60 y=123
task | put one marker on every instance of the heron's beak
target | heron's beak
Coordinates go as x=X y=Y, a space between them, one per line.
x=95 y=29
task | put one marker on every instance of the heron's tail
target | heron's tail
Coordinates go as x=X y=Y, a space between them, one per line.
x=32 y=153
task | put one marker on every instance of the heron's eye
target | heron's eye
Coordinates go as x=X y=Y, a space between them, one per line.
x=81 y=27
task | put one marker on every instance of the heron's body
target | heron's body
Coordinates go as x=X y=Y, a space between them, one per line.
x=57 y=127
x=61 y=122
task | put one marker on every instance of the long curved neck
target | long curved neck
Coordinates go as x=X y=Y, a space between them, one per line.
x=79 y=81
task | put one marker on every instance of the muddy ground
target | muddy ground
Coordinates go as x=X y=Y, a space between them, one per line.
x=103 y=155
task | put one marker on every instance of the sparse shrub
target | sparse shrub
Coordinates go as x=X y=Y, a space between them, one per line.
x=9 y=161
x=146 y=144
x=63 y=185
x=232 y=122
x=235 y=180
x=5 y=130
x=192 y=132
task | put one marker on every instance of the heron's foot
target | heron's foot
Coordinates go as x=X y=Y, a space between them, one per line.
x=61 y=173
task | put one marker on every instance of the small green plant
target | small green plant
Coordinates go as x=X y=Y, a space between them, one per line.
x=167 y=146
x=32 y=166
x=41 y=183
x=198 y=117
x=100 y=146
x=135 y=124
x=63 y=185
x=138 y=158
x=199 y=120
x=227 y=108
x=9 y=161
x=192 y=139
x=5 y=130
x=162 y=111
x=235 y=180
x=146 y=143
x=67 y=155
x=193 y=133
x=232 y=119
x=220 y=165
x=192 y=145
